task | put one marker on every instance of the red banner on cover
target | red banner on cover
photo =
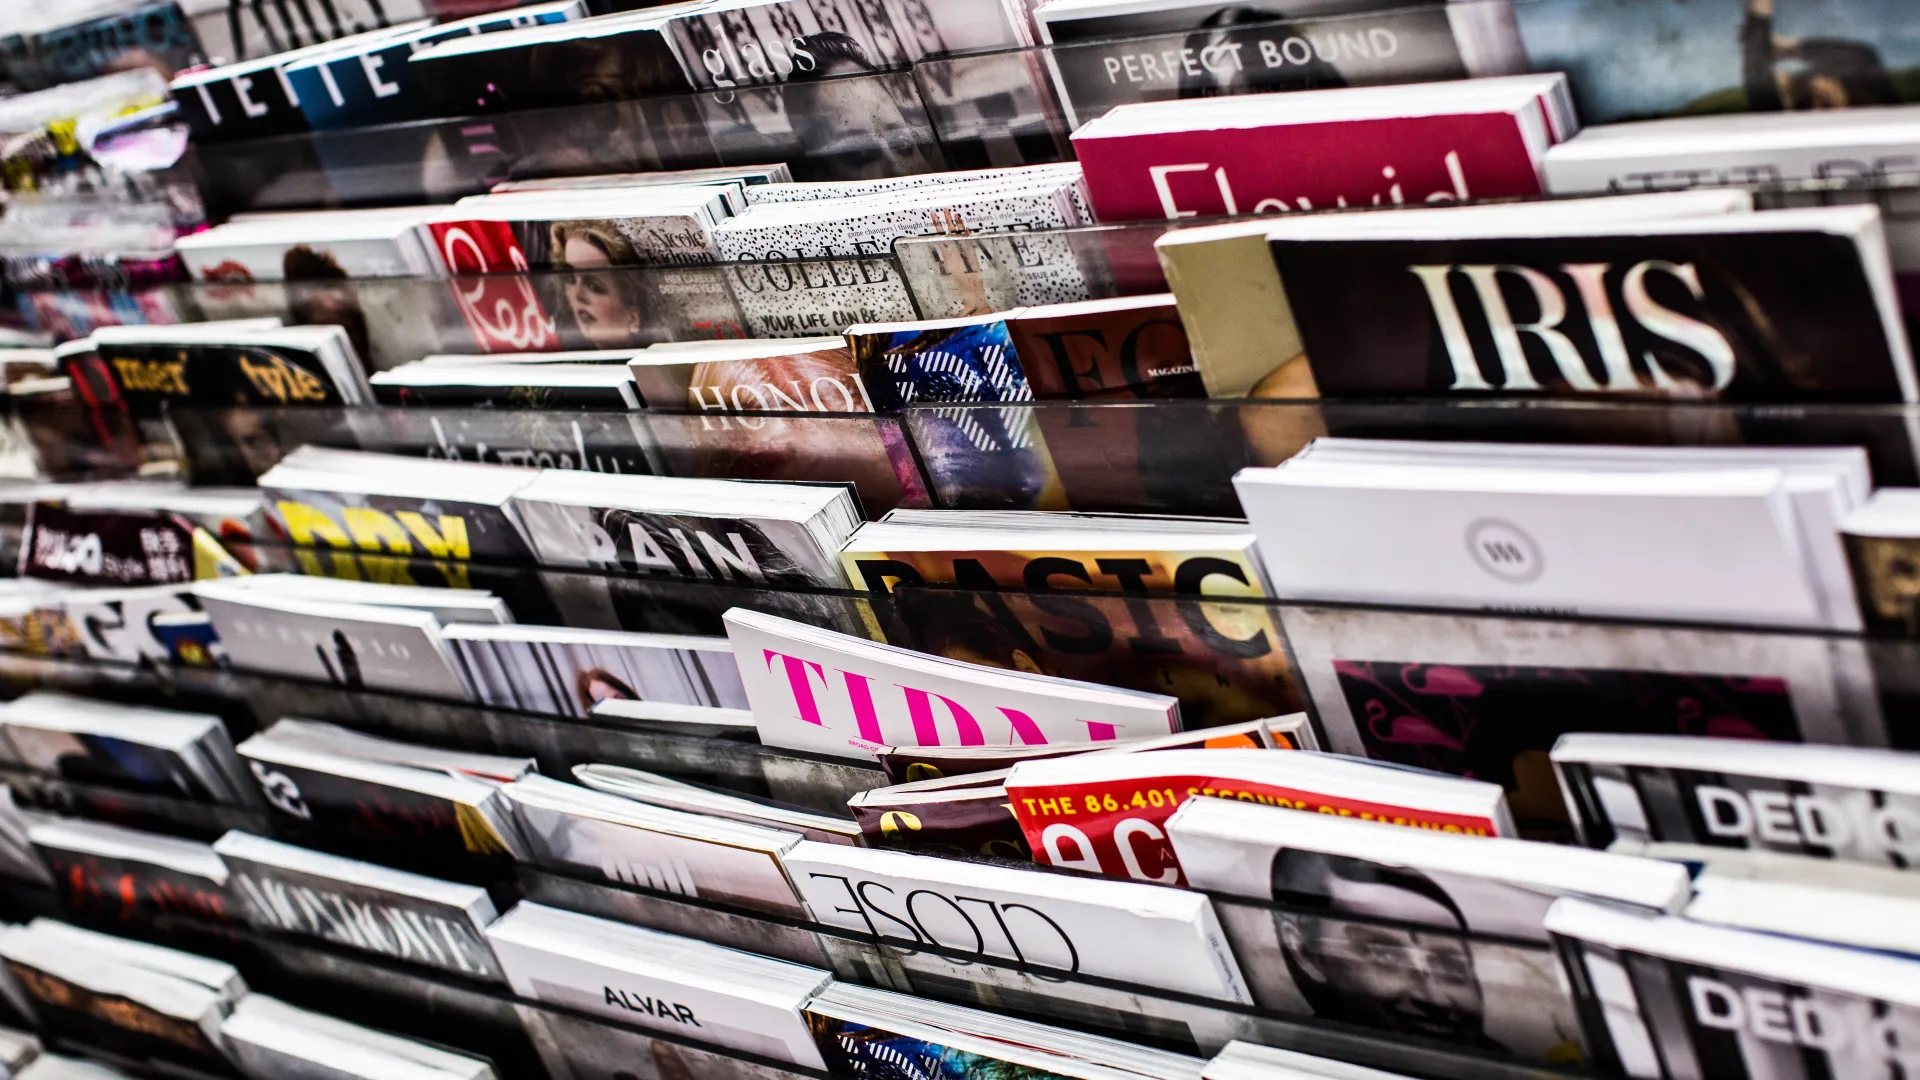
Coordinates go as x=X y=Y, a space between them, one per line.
x=496 y=298
x=1118 y=827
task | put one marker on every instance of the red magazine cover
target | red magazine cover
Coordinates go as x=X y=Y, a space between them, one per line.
x=1111 y=818
x=1318 y=166
x=489 y=281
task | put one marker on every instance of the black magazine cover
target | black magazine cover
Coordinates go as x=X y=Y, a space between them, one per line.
x=132 y=891
x=1739 y=317
x=338 y=803
x=553 y=70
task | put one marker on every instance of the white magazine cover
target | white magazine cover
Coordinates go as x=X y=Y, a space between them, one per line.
x=270 y=1038
x=813 y=689
x=695 y=855
x=1714 y=544
x=645 y=978
x=357 y=646
x=1173 y=940
x=567 y=672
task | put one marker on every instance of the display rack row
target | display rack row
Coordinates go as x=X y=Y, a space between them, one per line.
x=1174 y=457
x=945 y=972
x=1463 y=693
x=397 y=320
x=968 y=111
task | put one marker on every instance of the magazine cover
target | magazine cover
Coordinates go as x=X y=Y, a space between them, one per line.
x=1665 y=998
x=348 y=645
x=583 y=1049
x=116 y=880
x=378 y=811
x=1226 y=662
x=765 y=552
x=1436 y=956
x=1487 y=696
x=650 y=847
x=503 y=310
x=389 y=912
x=573 y=670
x=813 y=689
x=954 y=817
x=427 y=528
x=855 y=1049
x=789 y=299
x=157 y=35
x=1639 y=59
x=1846 y=804
x=586 y=441
x=871 y=452
x=1030 y=916
x=1248 y=48
x=777 y=40
x=1788 y=316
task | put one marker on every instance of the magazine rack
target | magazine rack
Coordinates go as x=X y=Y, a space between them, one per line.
x=1628 y=677
x=969 y=111
x=522 y=1038
x=1513 y=683
x=1172 y=1021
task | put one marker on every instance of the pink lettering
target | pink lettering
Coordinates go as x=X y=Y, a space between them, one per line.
x=860 y=690
x=920 y=709
x=796 y=669
x=1024 y=728
x=1099 y=732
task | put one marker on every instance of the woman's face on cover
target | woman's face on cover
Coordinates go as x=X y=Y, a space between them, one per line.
x=604 y=317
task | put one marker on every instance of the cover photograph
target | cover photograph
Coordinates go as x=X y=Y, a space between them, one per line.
x=1486 y=696
x=1639 y=59
x=564 y=672
x=1408 y=952
x=1226 y=661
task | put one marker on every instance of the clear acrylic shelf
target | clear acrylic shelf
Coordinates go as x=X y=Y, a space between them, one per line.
x=1459 y=692
x=1162 y=456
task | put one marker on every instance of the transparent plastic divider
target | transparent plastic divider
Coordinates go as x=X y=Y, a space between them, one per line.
x=860 y=127
x=871 y=451
x=1144 y=457
x=1019 y=107
x=136 y=810
x=398 y=320
x=1179 y=457
x=1173 y=1021
x=1511 y=685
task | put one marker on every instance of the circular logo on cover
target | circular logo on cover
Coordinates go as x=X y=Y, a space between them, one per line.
x=1504 y=550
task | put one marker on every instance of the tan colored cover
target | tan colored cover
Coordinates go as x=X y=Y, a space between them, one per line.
x=1235 y=309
